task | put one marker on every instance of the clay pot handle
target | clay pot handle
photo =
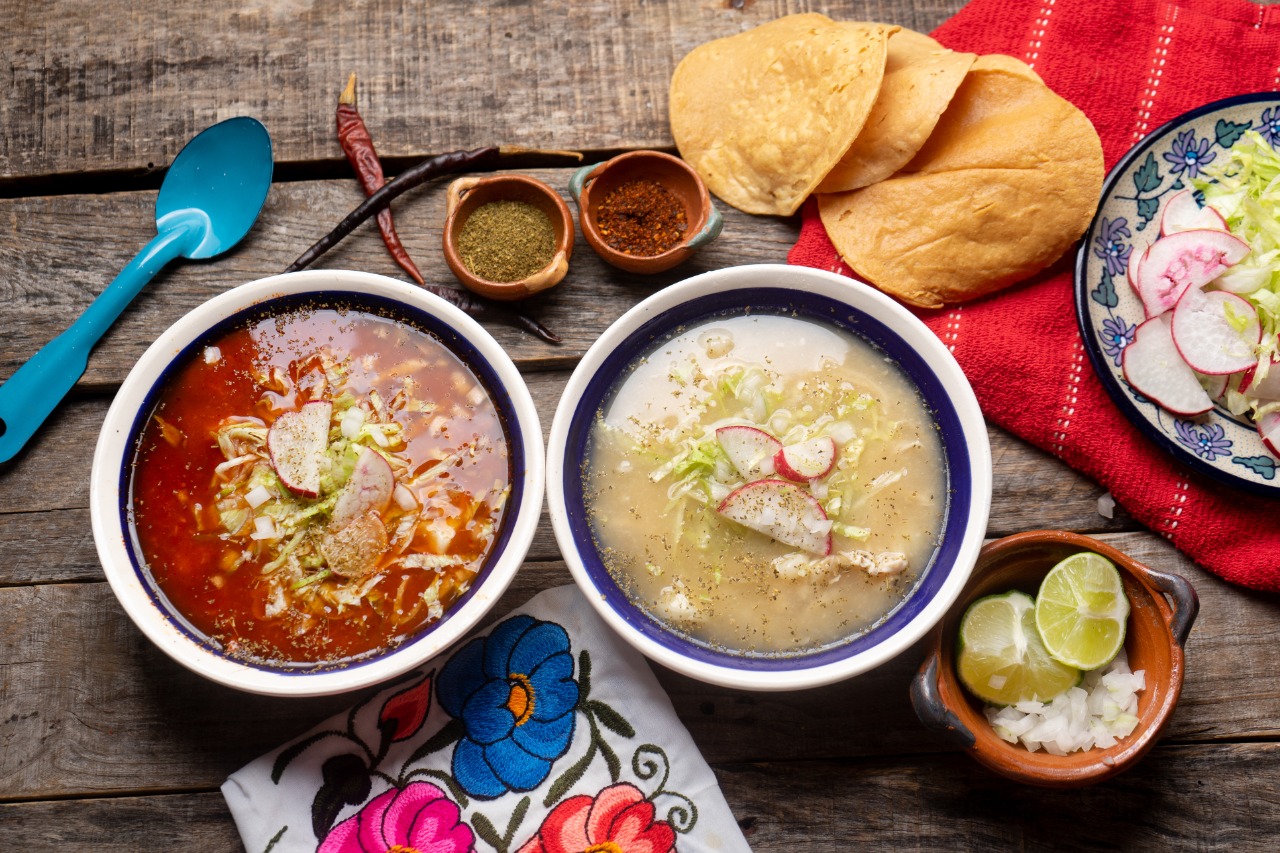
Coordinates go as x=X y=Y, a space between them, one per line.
x=1186 y=602
x=580 y=178
x=457 y=192
x=548 y=276
x=710 y=231
x=930 y=708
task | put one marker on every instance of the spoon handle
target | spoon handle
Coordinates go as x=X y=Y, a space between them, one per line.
x=35 y=389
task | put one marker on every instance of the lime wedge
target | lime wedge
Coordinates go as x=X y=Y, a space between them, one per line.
x=1081 y=611
x=1000 y=657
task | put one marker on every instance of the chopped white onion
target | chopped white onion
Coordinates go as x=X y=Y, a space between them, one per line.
x=1103 y=709
x=404 y=498
x=263 y=528
x=352 y=420
x=1106 y=505
x=212 y=355
x=257 y=496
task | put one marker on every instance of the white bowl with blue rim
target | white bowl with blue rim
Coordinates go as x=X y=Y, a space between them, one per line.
x=1218 y=444
x=828 y=298
x=109 y=488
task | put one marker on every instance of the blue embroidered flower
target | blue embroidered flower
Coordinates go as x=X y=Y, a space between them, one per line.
x=1116 y=335
x=1208 y=442
x=1270 y=129
x=1110 y=248
x=1189 y=155
x=515 y=694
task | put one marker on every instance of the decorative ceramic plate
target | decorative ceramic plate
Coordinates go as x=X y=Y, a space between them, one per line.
x=1218 y=444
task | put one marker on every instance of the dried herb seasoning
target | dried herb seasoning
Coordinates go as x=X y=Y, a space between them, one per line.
x=641 y=218
x=506 y=240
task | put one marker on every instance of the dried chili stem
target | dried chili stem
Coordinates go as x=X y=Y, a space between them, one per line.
x=357 y=144
x=476 y=159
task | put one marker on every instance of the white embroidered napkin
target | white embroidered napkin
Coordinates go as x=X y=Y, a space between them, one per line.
x=543 y=734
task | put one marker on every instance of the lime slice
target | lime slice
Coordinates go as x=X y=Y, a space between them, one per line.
x=1000 y=657
x=1081 y=611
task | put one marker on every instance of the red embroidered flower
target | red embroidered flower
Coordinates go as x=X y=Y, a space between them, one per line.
x=418 y=817
x=617 y=820
x=407 y=709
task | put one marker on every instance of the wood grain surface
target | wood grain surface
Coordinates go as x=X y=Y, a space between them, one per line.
x=106 y=744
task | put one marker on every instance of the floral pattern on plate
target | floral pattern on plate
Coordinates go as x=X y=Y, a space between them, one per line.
x=1218 y=444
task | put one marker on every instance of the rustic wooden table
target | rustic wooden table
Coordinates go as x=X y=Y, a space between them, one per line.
x=105 y=742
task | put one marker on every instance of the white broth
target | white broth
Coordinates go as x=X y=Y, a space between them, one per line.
x=659 y=479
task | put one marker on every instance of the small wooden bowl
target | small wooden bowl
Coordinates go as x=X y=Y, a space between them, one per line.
x=467 y=194
x=590 y=185
x=1156 y=633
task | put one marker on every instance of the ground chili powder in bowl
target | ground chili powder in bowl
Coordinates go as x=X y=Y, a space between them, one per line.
x=644 y=211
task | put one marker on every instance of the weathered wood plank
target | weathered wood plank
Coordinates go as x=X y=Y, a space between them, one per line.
x=1219 y=797
x=90 y=706
x=434 y=76
x=60 y=251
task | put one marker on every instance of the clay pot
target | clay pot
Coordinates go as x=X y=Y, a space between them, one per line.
x=1156 y=632
x=467 y=194
x=592 y=184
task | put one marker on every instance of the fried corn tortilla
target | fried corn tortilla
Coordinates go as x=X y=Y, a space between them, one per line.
x=763 y=115
x=920 y=78
x=1006 y=183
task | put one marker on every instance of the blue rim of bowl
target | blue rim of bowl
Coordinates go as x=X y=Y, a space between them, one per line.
x=1097 y=357
x=767 y=300
x=380 y=306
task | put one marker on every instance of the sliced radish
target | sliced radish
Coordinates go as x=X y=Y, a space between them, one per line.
x=1267 y=388
x=781 y=511
x=750 y=450
x=1205 y=337
x=297 y=442
x=806 y=460
x=1183 y=213
x=1188 y=259
x=370 y=487
x=1269 y=429
x=1155 y=369
x=1214 y=386
x=1136 y=257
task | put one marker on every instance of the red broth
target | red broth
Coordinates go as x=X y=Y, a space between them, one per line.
x=448 y=449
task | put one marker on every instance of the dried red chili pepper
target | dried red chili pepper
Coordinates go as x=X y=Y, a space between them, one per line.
x=356 y=143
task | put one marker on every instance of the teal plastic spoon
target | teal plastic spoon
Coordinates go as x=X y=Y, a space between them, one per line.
x=210 y=198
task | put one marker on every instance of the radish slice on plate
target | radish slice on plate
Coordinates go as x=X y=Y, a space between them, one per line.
x=1155 y=369
x=1183 y=213
x=297 y=442
x=1269 y=429
x=1204 y=335
x=750 y=450
x=782 y=511
x=1136 y=257
x=1214 y=386
x=370 y=487
x=1267 y=388
x=806 y=460
x=1188 y=259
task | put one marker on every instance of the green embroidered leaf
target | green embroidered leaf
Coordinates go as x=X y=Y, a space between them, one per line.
x=1227 y=132
x=611 y=760
x=611 y=719
x=287 y=756
x=1263 y=466
x=275 y=839
x=452 y=731
x=1147 y=210
x=1105 y=293
x=517 y=818
x=584 y=674
x=570 y=777
x=485 y=830
x=1147 y=178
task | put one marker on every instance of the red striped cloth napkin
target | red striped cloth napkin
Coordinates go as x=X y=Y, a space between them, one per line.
x=1130 y=66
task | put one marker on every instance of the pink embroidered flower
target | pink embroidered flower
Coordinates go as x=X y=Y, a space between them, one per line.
x=617 y=820
x=404 y=712
x=418 y=818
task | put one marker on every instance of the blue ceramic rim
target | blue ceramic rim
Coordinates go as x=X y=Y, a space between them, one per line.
x=385 y=308
x=792 y=302
x=1114 y=387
